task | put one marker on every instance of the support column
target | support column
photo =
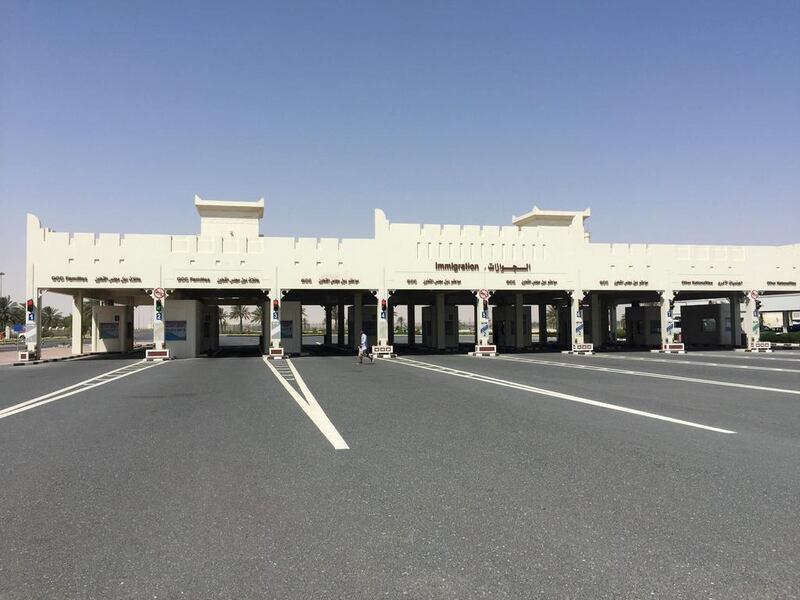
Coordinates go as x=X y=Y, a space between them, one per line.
x=391 y=324
x=159 y=342
x=275 y=322
x=751 y=324
x=358 y=320
x=328 y=325
x=412 y=324
x=265 y=322
x=667 y=322
x=77 y=324
x=787 y=320
x=476 y=322
x=483 y=348
x=542 y=323
x=612 y=321
x=736 y=319
x=595 y=311
x=576 y=317
x=440 y=329
x=340 y=321
x=96 y=327
x=519 y=322
x=382 y=318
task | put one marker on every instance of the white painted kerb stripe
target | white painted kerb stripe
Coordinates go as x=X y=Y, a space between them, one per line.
x=553 y=394
x=309 y=405
x=76 y=388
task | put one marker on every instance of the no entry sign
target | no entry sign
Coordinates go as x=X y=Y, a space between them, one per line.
x=483 y=294
x=159 y=293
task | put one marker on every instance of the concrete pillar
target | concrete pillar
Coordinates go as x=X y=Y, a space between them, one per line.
x=265 y=322
x=752 y=328
x=340 y=322
x=412 y=324
x=391 y=324
x=667 y=322
x=542 y=323
x=440 y=330
x=77 y=324
x=736 y=320
x=476 y=321
x=612 y=321
x=328 y=325
x=382 y=318
x=576 y=317
x=483 y=321
x=124 y=334
x=358 y=319
x=275 y=321
x=96 y=327
x=159 y=342
x=787 y=320
x=596 y=317
x=520 y=338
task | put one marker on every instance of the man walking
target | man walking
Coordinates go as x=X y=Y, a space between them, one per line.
x=362 y=349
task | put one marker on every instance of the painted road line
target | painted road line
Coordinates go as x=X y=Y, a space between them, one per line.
x=79 y=387
x=750 y=356
x=308 y=403
x=699 y=363
x=66 y=389
x=553 y=394
x=746 y=386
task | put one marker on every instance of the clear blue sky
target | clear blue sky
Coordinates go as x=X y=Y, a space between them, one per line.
x=673 y=121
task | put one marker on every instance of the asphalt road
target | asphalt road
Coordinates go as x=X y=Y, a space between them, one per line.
x=524 y=476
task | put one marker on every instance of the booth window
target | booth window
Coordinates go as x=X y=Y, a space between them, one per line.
x=709 y=325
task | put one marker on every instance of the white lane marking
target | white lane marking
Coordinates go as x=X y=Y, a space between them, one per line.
x=749 y=356
x=700 y=363
x=309 y=405
x=544 y=392
x=746 y=386
x=77 y=388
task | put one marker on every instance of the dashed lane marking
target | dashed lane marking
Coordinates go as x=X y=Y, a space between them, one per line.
x=551 y=393
x=698 y=380
x=307 y=402
x=81 y=386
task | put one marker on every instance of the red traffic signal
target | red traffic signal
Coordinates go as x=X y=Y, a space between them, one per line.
x=29 y=306
x=383 y=305
x=275 y=304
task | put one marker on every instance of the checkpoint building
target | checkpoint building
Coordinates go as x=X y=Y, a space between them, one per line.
x=543 y=259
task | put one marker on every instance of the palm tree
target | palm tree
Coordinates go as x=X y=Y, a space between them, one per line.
x=222 y=316
x=10 y=312
x=400 y=321
x=51 y=317
x=86 y=315
x=552 y=318
x=240 y=312
x=257 y=316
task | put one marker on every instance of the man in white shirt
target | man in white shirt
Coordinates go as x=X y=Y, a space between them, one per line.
x=362 y=349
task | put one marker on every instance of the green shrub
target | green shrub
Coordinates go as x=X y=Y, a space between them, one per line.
x=770 y=336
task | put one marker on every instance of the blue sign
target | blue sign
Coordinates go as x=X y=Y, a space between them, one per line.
x=159 y=316
x=18 y=328
x=31 y=317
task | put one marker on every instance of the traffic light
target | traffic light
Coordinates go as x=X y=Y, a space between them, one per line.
x=29 y=306
x=383 y=305
x=275 y=305
x=485 y=305
x=159 y=306
x=758 y=304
